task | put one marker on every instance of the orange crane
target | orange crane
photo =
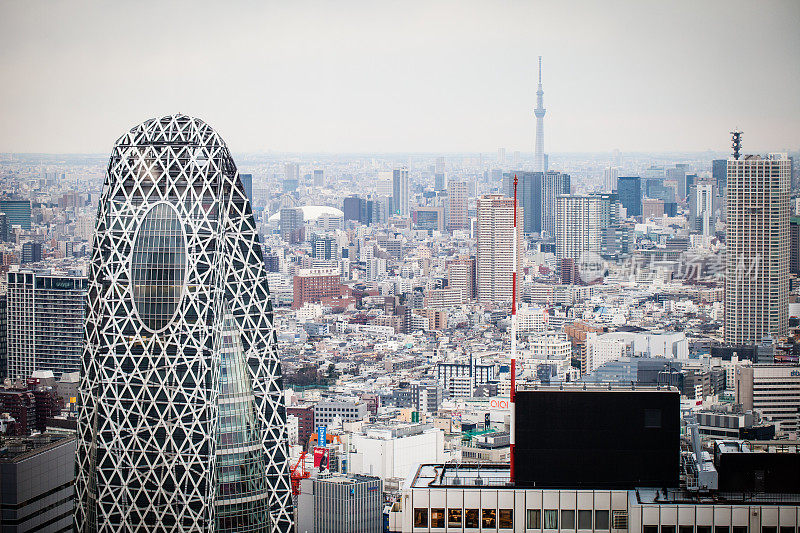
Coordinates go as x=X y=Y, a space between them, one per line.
x=299 y=472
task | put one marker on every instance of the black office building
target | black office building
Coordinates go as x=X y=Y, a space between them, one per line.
x=596 y=438
x=37 y=476
x=629 y=189
x=353 y=208
x=31 y=252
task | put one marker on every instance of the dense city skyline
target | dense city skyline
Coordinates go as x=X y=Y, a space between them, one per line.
x=449 y=77
x=400 y=267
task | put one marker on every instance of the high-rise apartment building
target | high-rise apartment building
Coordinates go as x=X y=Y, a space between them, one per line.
x=629 y=190
x=3 y=336
x=757 y=256
x=46 y=317
x=461 y=275
x=578 y=226
x=794 y=245
x=554 y=184
x=495 y=259
x=182 y=423
x=400 y=192
x=458 y=202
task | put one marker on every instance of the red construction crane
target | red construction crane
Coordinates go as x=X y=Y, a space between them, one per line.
x=299 y=472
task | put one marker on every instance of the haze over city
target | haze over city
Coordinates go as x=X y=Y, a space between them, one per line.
x=403 y=76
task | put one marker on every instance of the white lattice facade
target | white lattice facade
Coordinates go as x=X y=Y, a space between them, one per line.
x=182 y=422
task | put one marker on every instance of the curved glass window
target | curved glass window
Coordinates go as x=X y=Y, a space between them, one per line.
x=159 y=266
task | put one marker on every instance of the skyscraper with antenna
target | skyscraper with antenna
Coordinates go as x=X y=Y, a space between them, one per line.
x=539 y=113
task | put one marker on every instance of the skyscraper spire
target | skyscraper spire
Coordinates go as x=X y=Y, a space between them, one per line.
x=539 y=113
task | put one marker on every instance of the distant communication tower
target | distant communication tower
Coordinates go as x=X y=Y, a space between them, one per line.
x=736 y=136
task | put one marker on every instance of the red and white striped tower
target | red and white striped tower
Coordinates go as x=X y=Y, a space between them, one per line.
x=512 y=406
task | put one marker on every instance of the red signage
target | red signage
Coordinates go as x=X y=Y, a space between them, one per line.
x=498 y=403
x=320 y=457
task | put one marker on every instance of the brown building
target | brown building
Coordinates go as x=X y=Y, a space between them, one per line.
x=314 y=285
x=458 y=199
x=305 y=421
x=576 y=333
x=461 y=274
x=652 y=208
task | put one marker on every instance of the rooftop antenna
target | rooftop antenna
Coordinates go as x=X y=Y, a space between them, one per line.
x=736 y=144
x=512 y=426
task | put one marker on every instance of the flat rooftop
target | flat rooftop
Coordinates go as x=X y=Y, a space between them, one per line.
x=595 y=387
x=15 y=449
x=471 y=476
x=461 y=475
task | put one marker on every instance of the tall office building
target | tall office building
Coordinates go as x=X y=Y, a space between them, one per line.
x=440 y=178
x=291 y=171
x=182 y=425
x=539 y=163
x=495 y=260
x=610 y=176
x=757 y=256
x=18 y=213
x=629 y=190
x=578 y=225
x=794 y=246
x=400 y=192
x=554 y=184
x=529 y=197
x=457 y=200
x=45 y=315
x=31 y=252
x=247 y=182
x=319 y=177
x=353 y=207
x=4 y=229
x=440 y=181
x=701 y=207
x=719 y=171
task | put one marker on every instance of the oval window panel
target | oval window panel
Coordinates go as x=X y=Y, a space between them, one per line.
x=158 y=267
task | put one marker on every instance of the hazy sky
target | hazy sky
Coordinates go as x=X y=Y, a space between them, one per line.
x=429 y=76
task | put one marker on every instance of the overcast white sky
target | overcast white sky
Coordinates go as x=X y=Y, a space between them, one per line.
x=429 y=76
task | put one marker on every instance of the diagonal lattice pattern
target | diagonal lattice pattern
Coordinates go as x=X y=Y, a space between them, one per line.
x=182 y=422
